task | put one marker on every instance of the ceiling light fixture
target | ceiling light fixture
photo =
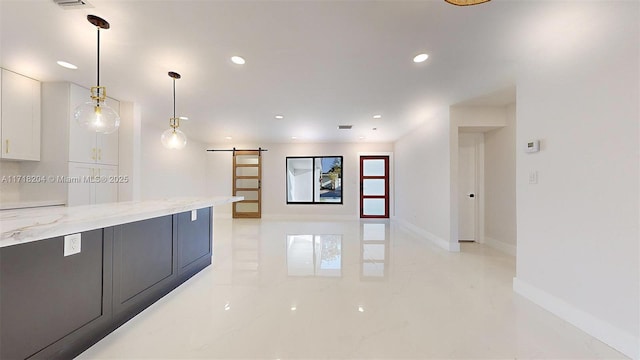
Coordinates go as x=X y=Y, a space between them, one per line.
x=294 y=138
x=420 y=58
x=228 y=137
x=466 y=2
x=67 y=65
x=238 y=60
x=174 y=138
x=279 y=117
x=377 y=116
x=96 y=115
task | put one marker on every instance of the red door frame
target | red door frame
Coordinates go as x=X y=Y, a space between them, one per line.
x=386 y=187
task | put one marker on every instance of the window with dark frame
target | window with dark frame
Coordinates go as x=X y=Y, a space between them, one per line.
x=314 y=179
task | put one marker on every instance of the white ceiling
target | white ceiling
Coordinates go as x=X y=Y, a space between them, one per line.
x=319 y=63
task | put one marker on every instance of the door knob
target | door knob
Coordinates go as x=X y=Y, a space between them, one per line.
x=472 y=195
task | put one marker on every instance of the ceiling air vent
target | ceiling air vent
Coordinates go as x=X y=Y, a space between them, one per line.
x=345 y=127
x=73 y=4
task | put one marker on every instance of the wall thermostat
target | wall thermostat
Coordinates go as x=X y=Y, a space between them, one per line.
x=533 y=146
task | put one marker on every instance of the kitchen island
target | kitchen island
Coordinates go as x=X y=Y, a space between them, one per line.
x=71 y=275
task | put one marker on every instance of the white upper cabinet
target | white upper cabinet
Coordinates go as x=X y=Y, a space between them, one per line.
x=86 y=146
x=20 y=117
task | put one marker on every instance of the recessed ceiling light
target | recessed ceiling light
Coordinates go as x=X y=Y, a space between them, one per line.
x=67 y=65
x=293 y=138
x=228 y=137
x=420 y=58
x=279 y=117
x=361 y=137
x=377 y=116
x=237 y=60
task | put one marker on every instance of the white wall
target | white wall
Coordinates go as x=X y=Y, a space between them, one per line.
x=422 y=181
x=130 y=146
x=577 y=228
x=219 y=174
x=274 y=200
x=500 y=184
x=9 y=191
x=479 y=117
x=171 y=173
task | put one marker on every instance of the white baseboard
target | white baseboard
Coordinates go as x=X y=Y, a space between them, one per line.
x=500 y=245
x=304 y=217
x=295 y=217
x=611 y=335
x=454 y=247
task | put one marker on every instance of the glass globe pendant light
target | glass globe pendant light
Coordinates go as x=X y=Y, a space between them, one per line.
x=174 y=138
x=95 y=115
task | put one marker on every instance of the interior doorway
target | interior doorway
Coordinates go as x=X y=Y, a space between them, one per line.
x=490 y=216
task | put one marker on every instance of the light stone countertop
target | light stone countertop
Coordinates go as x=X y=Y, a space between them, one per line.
x=20 y=226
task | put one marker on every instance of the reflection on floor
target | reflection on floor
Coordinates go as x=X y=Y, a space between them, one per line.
x=345 y=290
x=314 y=255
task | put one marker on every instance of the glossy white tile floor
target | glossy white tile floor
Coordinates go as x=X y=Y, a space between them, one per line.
x=345 y=290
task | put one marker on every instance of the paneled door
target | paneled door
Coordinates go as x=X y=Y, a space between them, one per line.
x=467 y=186
x=374 y=186
x=247 y=181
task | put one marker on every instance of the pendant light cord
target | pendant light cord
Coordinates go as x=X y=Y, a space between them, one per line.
x=98 y=62
x=174 y=99
x=98 y=70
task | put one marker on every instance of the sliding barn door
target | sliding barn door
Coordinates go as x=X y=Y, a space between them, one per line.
x=247 y=181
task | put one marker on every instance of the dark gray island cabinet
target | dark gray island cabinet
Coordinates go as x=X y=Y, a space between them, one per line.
x=56 y=306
